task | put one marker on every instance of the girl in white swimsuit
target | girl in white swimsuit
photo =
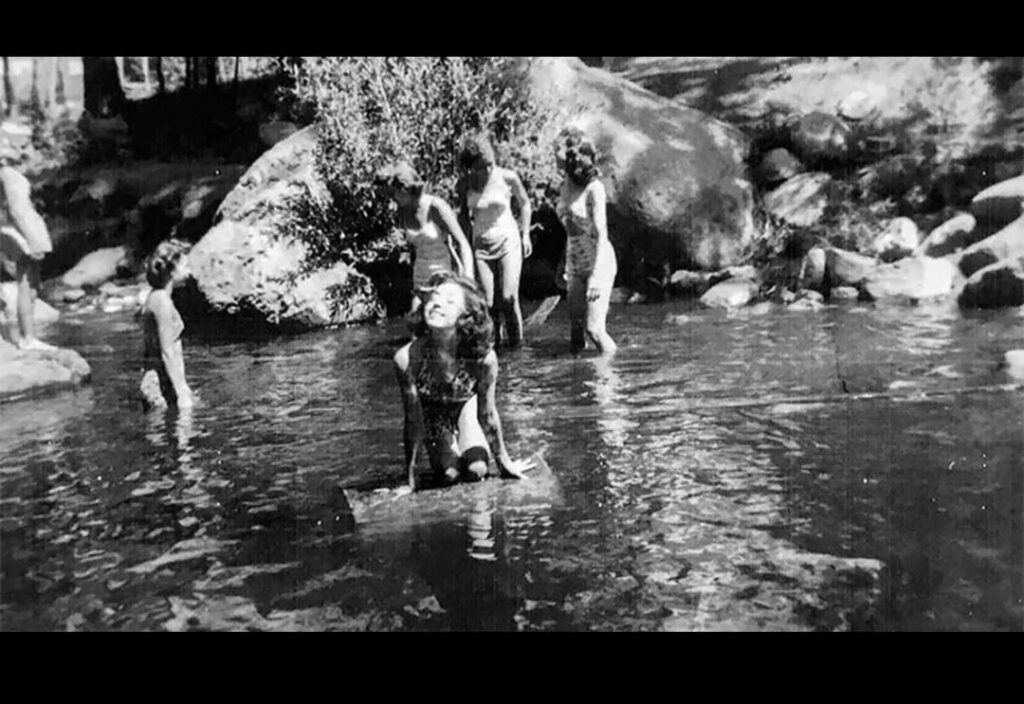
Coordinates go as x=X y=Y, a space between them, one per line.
x=590 y=264
x=485 y=195
x=430 y=227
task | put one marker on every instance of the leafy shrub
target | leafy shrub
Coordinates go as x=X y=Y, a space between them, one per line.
x=373 y=110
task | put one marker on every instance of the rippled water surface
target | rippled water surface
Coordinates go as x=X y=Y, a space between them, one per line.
x=855 y=468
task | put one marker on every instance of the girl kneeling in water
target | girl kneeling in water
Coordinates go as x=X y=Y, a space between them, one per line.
x=447 y=375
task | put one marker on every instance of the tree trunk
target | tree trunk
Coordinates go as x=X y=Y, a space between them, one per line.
x=160 y=82
x=211 y=73
x=9 y=107
x=101 y=81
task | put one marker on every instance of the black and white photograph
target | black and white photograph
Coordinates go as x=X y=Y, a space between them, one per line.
x=511 y=344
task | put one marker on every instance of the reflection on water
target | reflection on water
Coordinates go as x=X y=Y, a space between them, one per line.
x=688 y=484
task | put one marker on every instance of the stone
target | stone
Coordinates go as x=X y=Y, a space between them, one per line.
x=949 y=237
x=861 y=104
x=819 y=135
x=250 y=263
x=998 y=285
x=778 y=165
x=676 y=178
x=24 y=373
x=72 y=295
x=801 y=200
x=912 y=279
x=1015 y=364
x=844 y=293
x=848 y=268
x=812 y=269
x=899 y=239
x=998 y=205
x=1008 y=243
x=95 y=268
x=731 y=293
x=689 y=282
x=805 y=304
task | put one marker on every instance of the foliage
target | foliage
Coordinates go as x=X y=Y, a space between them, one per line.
x=374 y=110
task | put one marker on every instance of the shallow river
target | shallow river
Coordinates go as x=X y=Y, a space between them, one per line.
x=857 y=468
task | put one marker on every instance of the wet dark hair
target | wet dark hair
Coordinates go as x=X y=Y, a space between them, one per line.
x=161 y=263
x=400 y=175
x=474 y=330
x=476 y=149
x=579 y=154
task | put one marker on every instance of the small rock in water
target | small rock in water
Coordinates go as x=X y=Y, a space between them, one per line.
x=72 y=295
x=845 y=293
x=637 y=298
x=1015 y=364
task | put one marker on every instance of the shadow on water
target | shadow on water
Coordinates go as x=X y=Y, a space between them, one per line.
x=690 y=489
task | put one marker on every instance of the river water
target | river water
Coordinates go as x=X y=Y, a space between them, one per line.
x=855 y=468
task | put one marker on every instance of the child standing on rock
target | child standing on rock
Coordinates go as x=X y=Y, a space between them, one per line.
x=24 y=242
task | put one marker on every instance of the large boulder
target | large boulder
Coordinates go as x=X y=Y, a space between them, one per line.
x=24 y=373
x=1000 y=204
x=251 y=264
x=912 y=279
x=820 y=136
x=995 y=286
x=1008 y=243
x=96 y=268
x=949 y=237
x=676 y=178
x=801 y=200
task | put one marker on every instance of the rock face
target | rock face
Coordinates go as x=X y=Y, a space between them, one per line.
x=819 y=135
x=28 y=373
x=732 y=293
x=949 y=237
x=912 y=279
x=675 y=177
x=1008 y=243
x=995 y=286
x=801 y=200
x=250 y=264
x=95 y=268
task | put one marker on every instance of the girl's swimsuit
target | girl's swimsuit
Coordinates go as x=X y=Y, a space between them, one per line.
x=442 y=400
x=582 y=260
x=432 y=253
x=156 y=386
x=494 y=228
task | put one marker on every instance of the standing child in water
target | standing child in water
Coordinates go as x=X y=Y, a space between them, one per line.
x=163 y=382
x=447 y=376
x=590 y=264
x=430 y=226
x=500 y=244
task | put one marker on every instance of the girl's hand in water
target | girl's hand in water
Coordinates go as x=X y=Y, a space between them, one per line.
x=516 y=468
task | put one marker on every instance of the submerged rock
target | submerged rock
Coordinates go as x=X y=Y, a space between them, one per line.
x=24 y=373
x=732 y=293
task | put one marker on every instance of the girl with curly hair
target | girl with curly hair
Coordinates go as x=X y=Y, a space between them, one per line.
x=447 y=376
x=163 y=381
x=430 y=227
x=485 y=195
x=590 y=264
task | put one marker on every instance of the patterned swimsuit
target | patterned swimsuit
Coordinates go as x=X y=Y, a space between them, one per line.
x=442 y=401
